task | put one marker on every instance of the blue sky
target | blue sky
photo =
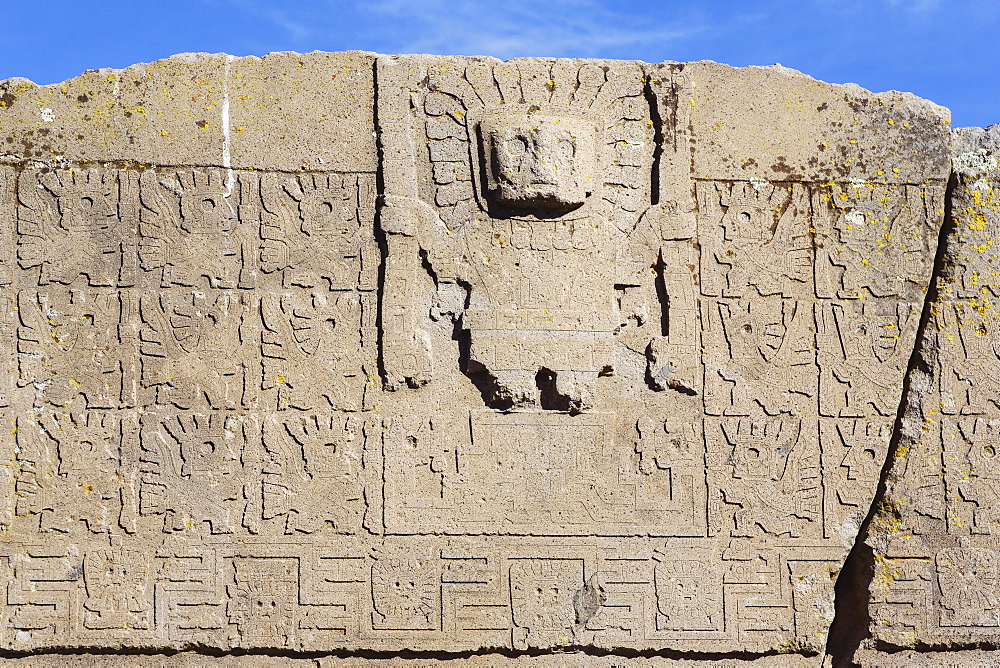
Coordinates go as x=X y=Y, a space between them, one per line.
x=944 y=50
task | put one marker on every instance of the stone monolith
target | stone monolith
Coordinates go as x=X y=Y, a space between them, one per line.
x=356 y=353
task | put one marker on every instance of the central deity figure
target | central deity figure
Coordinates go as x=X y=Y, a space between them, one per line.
x=544 y=273
x=535 y=215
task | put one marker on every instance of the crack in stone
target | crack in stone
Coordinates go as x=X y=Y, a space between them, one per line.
x=850 y=625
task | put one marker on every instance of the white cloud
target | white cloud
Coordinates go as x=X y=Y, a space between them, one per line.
x=505 y=29
x=551 y=28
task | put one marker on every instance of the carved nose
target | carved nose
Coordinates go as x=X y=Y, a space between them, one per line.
x=543 y=174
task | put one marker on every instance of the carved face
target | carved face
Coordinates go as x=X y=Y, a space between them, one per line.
x=984 y=456
x=854 y=226
x=861 y=462
x=197 y=454
x=326 y=215
x=205 y=212
x=759 y=459
x=968 y=579
x=680 y=586
x=540 y=162
x=84 y=209
x=880 y=333
x=760 y=449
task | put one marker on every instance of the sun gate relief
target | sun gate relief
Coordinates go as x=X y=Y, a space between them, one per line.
x=541 y=380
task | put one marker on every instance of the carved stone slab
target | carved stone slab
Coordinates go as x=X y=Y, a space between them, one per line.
x=935 y=538
x=353 y=352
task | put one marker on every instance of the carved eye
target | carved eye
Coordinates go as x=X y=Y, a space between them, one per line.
x=989 y=452
x=753 y=453
x=870 y=454
x=565 y=149
x=517 y=146
x=207 y=204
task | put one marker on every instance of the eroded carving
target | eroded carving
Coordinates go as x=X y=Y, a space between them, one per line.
x=191 y=346
x=312 y=474
x=192 y=470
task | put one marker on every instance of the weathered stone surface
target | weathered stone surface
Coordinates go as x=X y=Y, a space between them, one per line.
x=934 y=537
x=747 y=124
x=582 y=354
x=184 y=659
x=283 y=112
x=911 y=659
